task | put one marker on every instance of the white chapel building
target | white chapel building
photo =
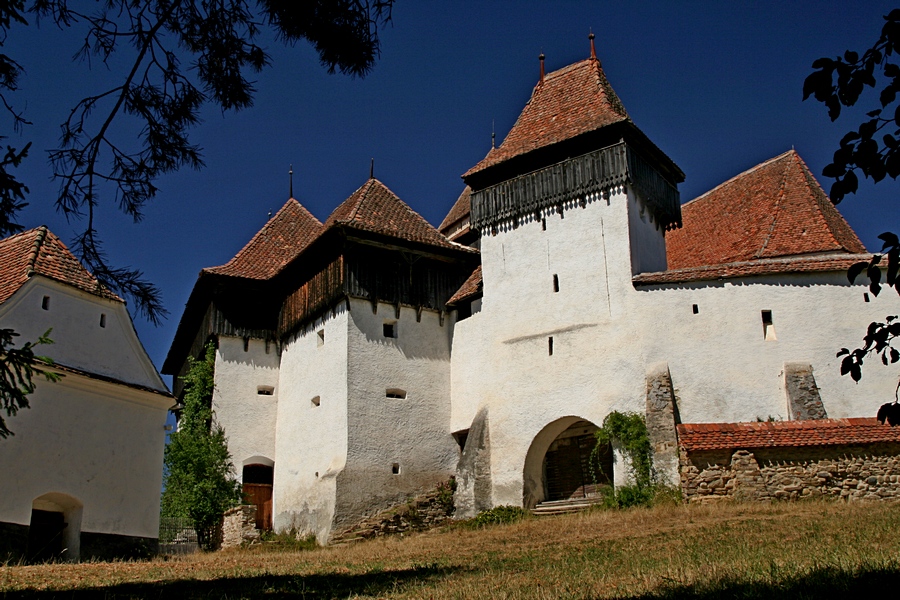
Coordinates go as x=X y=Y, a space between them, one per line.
x=367 y=358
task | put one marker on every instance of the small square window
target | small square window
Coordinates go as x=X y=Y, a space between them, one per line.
x=395 y=468
x=316 y=401
x=320 y=337
x=390 y=329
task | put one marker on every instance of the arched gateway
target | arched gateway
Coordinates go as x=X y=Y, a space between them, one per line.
x=563 y=463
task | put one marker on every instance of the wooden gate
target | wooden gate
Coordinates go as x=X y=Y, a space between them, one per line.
x=573 y=470
x=260 y=494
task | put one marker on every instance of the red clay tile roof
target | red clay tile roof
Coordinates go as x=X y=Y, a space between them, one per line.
x=766 y=266
x=574 y=100
x=775 y=209
x=280 y=240
x=472 y=286
x=39 y=251
x=783 y=434
x=458 y=212
x=375 y=208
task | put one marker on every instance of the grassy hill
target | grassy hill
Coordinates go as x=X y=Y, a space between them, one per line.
x=801 y=550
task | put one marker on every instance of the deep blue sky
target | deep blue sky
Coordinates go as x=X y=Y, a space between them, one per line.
x=717 y=86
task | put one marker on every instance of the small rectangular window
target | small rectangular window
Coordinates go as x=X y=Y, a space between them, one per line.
x=390 y=329
x=550 y=345
x=395 y=393
x=395 y=468
x=45 y=303
x=556 y=283
x=102 y=320
x=695 y=309
x=866 y=296
x=246 y=344
x=265 y=390
x=320 y=337
x=768 y=326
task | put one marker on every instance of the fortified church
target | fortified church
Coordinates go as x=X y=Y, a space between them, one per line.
x=367 y=358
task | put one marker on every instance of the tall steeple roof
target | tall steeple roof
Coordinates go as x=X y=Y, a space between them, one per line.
x=376 y=209
x=572 y=101
x=39 y=252
x=280 y=240
x=775 y=209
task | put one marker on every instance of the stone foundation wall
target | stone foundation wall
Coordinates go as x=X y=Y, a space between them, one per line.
x=791 y=474
x=239 y=527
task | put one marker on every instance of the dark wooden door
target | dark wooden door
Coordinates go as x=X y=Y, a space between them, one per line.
x=45 y=536
x=573 y=470
x=260 y=494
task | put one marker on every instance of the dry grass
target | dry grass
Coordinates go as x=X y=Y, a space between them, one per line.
x=805 y=550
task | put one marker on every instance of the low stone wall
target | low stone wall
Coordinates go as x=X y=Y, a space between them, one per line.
x=871 y=473
x=418 y=514
x=239 y=527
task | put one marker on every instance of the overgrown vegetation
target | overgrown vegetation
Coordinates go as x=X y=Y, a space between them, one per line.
x=499 y=515
x=445 y=491
x=688 y=552
x=628 y=431
x=200 y=482
x=286 y=541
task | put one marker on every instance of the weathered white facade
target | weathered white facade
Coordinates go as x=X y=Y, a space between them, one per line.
x=399 y=363
x=88 y=451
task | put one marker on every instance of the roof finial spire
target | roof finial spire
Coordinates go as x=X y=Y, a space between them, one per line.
x=541 y=58
x=593 y=52
x=493 y=135
x=372 y=169
x=291 y=180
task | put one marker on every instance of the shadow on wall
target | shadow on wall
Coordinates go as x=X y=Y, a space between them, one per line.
x=413 y=339
x=335 y=585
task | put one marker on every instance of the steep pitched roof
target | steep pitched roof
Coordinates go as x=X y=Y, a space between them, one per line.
x=39 y=251
x=280 y=240
x=376 y=209
x=574 y=100
x=458 y=211
x=782 y=434
x=775 y=209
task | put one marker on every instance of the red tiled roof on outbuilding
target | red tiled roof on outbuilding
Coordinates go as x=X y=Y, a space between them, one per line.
x=459 y=211
x=784 y=434
x=574 y=100
x=775 y=209
x=280 y=240
x=39 y=251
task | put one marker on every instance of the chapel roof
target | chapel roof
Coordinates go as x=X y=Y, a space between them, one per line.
x=775 y=209
x=280 y=241
x=39 y=251
x=376 y=209
x=569 y=102
x=784 y=434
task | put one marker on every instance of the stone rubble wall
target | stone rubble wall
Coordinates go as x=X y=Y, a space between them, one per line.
x=792 y=474
x=239 y=527
x=418 y=514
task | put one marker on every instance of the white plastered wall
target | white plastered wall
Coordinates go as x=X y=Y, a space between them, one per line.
x=79 y=340
x=597 y=363
x=247 y=416
x=412 y=432
x=97 y=442
x=311 y=441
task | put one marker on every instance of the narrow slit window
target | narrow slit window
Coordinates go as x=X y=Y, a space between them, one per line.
x=267 y=346
x=768 y=326
x=550 y=345
x=320 y=337
x=544 y=224
x=45 y=302
x=102 y=320
x=395 y=468
x=395 y=393
x=246 y=344
x=556 y=283
x=389 y=329
x=695 y=309
x=265 y=390
x=866 y=296
x=316 y=400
